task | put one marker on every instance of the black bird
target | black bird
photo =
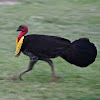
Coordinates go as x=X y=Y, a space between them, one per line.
x=81 y=52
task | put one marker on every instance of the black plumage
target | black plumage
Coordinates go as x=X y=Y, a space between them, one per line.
x=44 y=46
x=81 y=52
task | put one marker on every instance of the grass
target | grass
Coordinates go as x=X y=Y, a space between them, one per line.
x=70 y=19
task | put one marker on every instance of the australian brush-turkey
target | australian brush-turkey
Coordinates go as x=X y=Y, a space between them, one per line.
x=81 y=52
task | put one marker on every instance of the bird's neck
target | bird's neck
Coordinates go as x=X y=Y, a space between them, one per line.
x=20 y=35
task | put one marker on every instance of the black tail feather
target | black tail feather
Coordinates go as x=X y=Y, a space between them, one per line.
x=81 y=53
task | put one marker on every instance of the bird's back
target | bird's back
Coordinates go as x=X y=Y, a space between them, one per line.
x=44 y=45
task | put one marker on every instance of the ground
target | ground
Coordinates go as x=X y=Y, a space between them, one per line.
x=8 y=2
x=71 y=19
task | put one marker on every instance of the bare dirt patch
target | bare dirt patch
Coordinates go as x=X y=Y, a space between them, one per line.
x=8 y=2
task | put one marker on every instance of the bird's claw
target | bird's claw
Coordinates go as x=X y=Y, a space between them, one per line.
x=54 y=78
x=19 y=76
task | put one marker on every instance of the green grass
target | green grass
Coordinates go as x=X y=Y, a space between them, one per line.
x=71 y=19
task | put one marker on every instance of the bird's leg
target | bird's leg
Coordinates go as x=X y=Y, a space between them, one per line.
x=33 y=60
x=50 y=62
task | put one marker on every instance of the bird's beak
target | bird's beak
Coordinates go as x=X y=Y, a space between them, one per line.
x=18 y=29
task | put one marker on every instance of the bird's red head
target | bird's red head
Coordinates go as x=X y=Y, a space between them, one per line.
x=23 y=29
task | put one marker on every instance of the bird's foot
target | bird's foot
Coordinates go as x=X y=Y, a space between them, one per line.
x=19 y=76
x=54 y=78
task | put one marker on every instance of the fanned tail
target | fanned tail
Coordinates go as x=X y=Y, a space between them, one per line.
x=81 y=53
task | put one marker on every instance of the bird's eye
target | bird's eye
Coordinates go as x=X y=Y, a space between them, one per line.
x=22 y=27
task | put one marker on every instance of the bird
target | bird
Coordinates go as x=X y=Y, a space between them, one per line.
x=80 y=52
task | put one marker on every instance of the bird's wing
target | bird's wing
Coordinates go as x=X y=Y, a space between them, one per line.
x=43 y=45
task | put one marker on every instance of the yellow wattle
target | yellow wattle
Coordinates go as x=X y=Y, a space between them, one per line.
x=18 y=46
